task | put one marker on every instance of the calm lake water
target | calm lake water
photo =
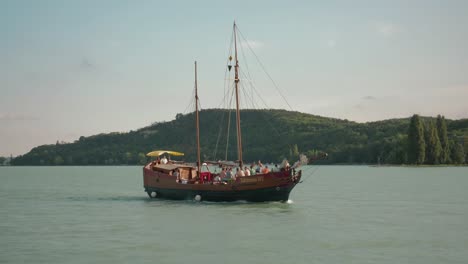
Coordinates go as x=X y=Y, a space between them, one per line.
x=339 y=214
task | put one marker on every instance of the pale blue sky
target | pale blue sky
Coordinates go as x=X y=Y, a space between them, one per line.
x=72 y=68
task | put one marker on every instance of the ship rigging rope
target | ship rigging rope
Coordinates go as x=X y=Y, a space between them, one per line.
x=228 y=126
x=252 y=95
x=219 y=136
x=247 y=75
x=191 y=104
x=264 y=69
x=309 y=175
x=252 y=83
x=227 y=103
x=266 y=106
x=229 y=106
x=246 y=95
x=221 y=129
x=224 y=101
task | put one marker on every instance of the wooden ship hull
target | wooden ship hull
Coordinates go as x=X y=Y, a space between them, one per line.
x=273 y=186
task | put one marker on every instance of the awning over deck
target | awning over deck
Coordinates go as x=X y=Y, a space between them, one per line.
x=158 y=153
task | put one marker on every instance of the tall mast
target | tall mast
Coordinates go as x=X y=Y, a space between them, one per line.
x=236 y=80
x=197 y=121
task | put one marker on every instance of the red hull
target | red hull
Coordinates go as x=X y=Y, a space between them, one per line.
x=273 y=186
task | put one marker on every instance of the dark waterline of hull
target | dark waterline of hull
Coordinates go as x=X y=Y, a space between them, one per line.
x=259 y=195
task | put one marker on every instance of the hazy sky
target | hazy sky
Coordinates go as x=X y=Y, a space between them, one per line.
x=72 y=68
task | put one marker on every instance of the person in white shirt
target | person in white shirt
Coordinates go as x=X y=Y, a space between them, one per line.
x=164 y=160
x=275 y=168
x=246 y=171
x=217 y=179
x=240 y=172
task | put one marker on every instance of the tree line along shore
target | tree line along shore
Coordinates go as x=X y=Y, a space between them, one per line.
x=271 y=135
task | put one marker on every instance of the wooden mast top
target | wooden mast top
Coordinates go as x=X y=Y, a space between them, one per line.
x=197 y=122
x=236 y=81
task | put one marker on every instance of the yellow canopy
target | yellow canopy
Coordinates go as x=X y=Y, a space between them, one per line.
x=158 y=153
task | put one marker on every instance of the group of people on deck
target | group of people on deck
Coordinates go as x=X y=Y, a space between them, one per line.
x=162 y=160
x=230 y=174
x=227 y=174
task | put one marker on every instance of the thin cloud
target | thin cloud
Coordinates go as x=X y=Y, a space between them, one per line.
x=253 y=44
x=358 y=106
x=86 y=64
x=369 y=97
x=365 y=102
x=388 y=29
x=16 y=117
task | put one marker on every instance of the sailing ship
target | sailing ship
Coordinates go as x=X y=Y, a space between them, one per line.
x=163 y=178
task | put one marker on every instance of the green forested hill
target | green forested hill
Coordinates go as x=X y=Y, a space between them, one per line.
x=268 y=135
